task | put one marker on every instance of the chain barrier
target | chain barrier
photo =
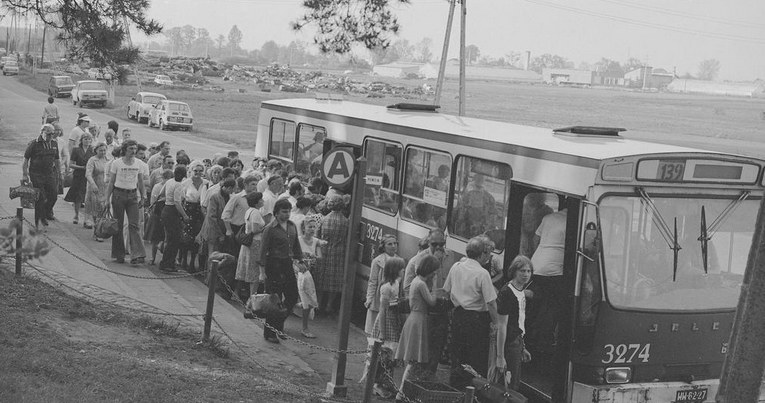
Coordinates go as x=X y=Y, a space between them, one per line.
x=69 y=252
x=158 y=311
x=10 y=217
x=283 y=335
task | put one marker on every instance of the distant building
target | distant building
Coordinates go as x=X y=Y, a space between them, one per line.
x=567 y=76
x=656 y=78
x=492 y=73
x=755 y=89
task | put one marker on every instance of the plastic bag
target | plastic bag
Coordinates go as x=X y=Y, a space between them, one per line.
x=106 y=225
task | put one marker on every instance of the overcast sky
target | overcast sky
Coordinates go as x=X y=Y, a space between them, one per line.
x=677 y=34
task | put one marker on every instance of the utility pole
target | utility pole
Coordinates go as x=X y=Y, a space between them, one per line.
x=463 y=17
x=444 y=54
x=745 y=362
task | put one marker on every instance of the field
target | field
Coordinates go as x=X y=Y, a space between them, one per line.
x=730 y=124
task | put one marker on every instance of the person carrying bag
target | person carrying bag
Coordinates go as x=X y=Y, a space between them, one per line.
x=106 y=225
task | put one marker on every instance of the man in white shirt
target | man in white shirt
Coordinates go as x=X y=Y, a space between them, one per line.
x=126 y=192
x=270 y=196
x=234 y=212
x=475 y=311
x=549 y=241
x=155 y=161
x=272 y=166
x=436 y=247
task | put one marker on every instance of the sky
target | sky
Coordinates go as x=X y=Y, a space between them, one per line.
x=671 y=35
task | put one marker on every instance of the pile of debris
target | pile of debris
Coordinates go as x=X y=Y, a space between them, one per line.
x=193 y=72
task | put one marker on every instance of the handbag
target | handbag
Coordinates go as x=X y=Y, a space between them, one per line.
x=242 y=236
x=28 y=193
x=266 y=305
x=106 y=225
x=402 y=306
x=68 y=178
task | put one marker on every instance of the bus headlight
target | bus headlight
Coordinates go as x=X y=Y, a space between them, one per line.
x=618 y=375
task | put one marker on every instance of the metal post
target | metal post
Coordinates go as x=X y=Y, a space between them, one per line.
x=210 y=299
x=372 y=374
x=469 y=394
x=337 y=385
x=743 y=367
x=444 y=54
x=463 y=17
x=19 y=232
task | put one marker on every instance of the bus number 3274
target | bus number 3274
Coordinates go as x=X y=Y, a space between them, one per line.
x=626 y=353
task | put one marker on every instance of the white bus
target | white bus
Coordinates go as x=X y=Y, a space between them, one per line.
x=656 y=237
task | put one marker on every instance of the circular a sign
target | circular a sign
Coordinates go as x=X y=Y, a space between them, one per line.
x=338 y=166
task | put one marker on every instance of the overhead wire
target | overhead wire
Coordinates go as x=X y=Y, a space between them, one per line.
x=684 y=14
x=626 y=20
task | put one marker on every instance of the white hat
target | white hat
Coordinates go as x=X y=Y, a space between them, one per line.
x=42 y=129
x=85 y=118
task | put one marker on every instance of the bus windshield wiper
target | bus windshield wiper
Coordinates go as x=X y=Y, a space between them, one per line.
x=707 y=233
x=669 y=236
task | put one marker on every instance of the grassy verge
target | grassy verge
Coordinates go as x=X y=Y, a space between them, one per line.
x=55 y=347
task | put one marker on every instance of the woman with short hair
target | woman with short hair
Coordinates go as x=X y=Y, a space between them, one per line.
x=78 y=161
x=95 y=194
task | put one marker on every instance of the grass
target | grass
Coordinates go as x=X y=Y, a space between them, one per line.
x=55 y=347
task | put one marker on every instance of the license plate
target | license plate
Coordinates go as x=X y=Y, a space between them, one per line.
x=691 y=395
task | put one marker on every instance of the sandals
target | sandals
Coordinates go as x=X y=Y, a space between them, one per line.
x=307 y=334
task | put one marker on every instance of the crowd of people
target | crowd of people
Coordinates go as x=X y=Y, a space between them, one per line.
x=289 y=239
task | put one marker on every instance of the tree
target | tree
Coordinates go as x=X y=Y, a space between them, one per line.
x=94 y=29
x=219 y=41
x=422 y=50
x=633 y=64
x=708 y=69
x=549 y=61
x=343 y=23
x=473 y=53
x=189 y=34
x=234 y=38
x=175 y=36
x=270 y=52
x=606 y=64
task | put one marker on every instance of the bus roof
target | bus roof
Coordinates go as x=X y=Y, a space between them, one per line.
x=588 y=147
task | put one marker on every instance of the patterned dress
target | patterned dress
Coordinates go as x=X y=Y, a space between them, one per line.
x=247 y=268
x=333 y=230
x=95 y=197
x=387 y=327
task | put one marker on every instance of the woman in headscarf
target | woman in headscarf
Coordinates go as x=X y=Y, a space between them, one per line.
x=334 y=231
x=78 y=161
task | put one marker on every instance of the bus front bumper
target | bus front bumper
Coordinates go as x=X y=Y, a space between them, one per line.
x=703 y=391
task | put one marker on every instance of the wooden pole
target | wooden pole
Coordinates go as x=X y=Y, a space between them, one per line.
x=744 y=365
x=337 y=385
x=463 y=17
x=42 y=50
x=444 y=54
x=372 y=374
x=469 y=394
x=211 y=283
x=19 y=232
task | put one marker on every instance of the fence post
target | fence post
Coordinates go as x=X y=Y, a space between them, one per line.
x=469 y=394
x=372 y=373
x=210 y=299
x=19 y=232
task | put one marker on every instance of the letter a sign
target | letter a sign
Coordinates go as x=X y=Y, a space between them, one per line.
x=338 y=166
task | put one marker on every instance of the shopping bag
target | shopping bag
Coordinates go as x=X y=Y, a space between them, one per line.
x=266 y=305
x=106 y=225
x=28 y=193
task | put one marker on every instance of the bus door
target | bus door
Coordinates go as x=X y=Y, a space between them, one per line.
x=545 y=229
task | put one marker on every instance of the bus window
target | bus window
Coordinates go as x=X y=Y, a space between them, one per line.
x=282 y=140
x=535 y=207
x=425 y=190
x=482 y=189
x=310 y=147
x=383 y=168
x=639 y=262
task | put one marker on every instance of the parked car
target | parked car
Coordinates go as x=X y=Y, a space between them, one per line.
x=171 y=115
x=6 y=59
x=60 y=86
x=89 y=92
x=162 y=79
x=141 y=104
x=10 y=68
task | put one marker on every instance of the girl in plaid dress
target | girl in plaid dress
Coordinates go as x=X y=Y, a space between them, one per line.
x=387 y=327
x=329 y=273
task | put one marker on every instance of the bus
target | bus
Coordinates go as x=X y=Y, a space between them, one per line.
x=656 y=236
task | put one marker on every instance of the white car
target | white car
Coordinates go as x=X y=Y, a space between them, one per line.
x=10 y=68
x=171 y=115
x=89 y=92
x=141 y=104
x=162 y=79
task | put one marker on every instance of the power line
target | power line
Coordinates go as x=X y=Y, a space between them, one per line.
x=686 y=15
x=625 y=20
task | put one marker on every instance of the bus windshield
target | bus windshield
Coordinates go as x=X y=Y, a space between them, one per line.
x=639 y=256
